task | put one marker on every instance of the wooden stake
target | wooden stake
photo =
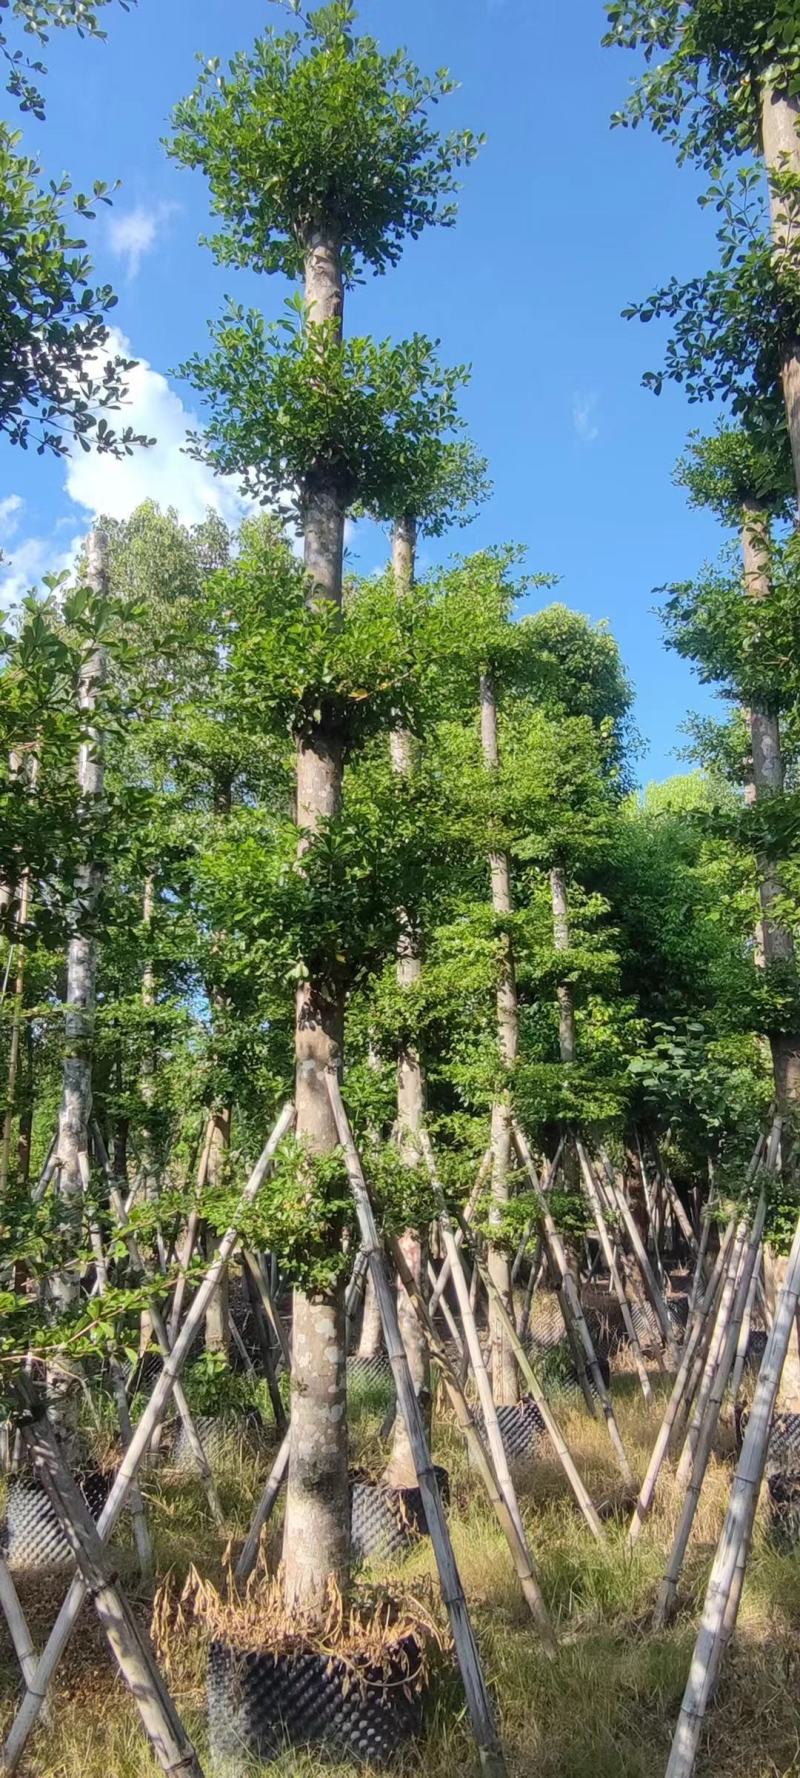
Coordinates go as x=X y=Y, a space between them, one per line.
x=716 y=1625
x=30 y=1708
x=17 y=1624
x=129 y=1646
x=571 y=1295
x=610 y=1258
x=695 y=1335
x=476 y=1691
x=274 y=1483
x=668 y=1590
x=652 y=1287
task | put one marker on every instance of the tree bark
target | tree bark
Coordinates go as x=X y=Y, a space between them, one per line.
x=81 y=991
x=218 y=1321
x=505 y=1379
x=780 y=117
x=317 y=1527
x=400 y=1470
x=566 y=1003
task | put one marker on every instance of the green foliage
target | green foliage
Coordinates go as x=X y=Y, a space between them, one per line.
x=302 y=1214
x=316 y=131
x=37 y=18
x=735 y=467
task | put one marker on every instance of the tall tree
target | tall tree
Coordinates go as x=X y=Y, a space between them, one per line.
x=321 y=158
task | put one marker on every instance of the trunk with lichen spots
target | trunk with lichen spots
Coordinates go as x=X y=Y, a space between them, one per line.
x=567 y=1042
x=401 y=1470
x=505 y=1382
x=316 y=1546
x=218 y=1322
x=780 y=116
x=775 y=944
x=81 y=987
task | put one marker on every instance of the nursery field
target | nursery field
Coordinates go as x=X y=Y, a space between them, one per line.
x=604 y=1709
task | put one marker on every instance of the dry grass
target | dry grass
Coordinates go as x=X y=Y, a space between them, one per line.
x=604 y=1709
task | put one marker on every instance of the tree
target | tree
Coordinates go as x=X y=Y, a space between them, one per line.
x=321 y=159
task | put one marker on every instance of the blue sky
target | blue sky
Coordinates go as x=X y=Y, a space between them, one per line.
x=563 y=221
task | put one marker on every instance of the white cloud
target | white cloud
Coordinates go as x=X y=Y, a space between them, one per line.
x=584 y=409
x=135 y=234
x=25 y=568
x=116 y=486
x=10 y=510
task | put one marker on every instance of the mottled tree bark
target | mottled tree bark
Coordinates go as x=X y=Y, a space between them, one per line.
x=505 y=1378
x=775 y=941
x=566 y=1004
x=400 y=1470
x=218 y=1320
x=317 y=1527
x=780 y=117
x=81 y=989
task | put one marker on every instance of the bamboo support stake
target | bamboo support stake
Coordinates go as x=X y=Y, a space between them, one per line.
x=30 y=1708
x=695 y=1335
x=639 y=1250
x=476 y=1691
x=445 y=1269
x=265 y=1349
x=494 y=1438
x=129 y=1646
x=478 y=1454
x=571 y=1294
x=668 y=1590
x=545 y=1187
x=718 y=1338
x=717 y=1622
x=744 y=1334
x=141 y=1529
x=610 y=1258
x=551 y=1425
x=261 y=1279
x=17 y=1624
x=272 y=1488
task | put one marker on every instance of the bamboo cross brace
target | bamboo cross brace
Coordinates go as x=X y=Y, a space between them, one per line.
x=262 y=1334
x=614 y=1273
x=269 y=1495
x=17 y=1624
x=668 y=1590
x=129 y=1646
x=551 y=1425
x=718 y=1338
x=141 y=1530
x=484 y=1388
x=545 y=1187
x=568 y=1298
x=478 y=1453
x=695 y=1336
x=258 y=1272
x=571 y=1294
x=722 y=1595
x=30 y=1708
x=639 y=1251
x=476 y=1691
x=446 y=1268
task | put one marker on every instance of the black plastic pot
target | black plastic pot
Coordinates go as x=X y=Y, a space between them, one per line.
x=371 y=1370
x=783 y=1450
x=31 y=1536
x=385 y=1522
x=259 y=1703
x=521 y=1426
x=217 y=1434
x=784 y=1512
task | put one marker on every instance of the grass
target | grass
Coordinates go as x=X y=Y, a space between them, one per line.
x=605 y=1708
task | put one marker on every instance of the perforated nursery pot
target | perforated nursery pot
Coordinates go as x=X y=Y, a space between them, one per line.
x=521 y=1427
x=219 y=1434
x=372 y=1370
x=32 y=1537
x=385 y=1522
x=783 y=1450
x=784 y=1511
x=259 y=1702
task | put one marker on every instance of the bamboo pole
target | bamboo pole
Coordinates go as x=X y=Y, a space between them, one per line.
x=744 y=1335
x=639 y=1250
x=17 y=1624
x=551 y=1425
x=695 y=1335
x=668 y=1590
x=718 y=1338
x=717 y=1622
x=141 y=1529
x=476 y=1691
x=494 y=1437
x=28 y=1714
x=610 y=1258
x=445 y=1269
x=271 y=1490
x=129 y=1646
x=546 y=1185
x=571 y=1294
x=262 y=1335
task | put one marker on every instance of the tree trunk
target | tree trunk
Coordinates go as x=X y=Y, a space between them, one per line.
x=400 y=1470
x=218 y=1324
x=505 y=1379
x=780 y=117
x=317 y=1527
x=76 y=1091
x=147 y=1085
x=566 y=1004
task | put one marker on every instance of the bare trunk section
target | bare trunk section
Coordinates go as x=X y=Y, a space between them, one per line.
x=780 y=117
x=76 y=1089
x=566 y=1005
x=505 y=1379
x=218 y=1323
x=775 y=1271
x=147 y=1084
x=317 y=1527
x=400 y=1470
